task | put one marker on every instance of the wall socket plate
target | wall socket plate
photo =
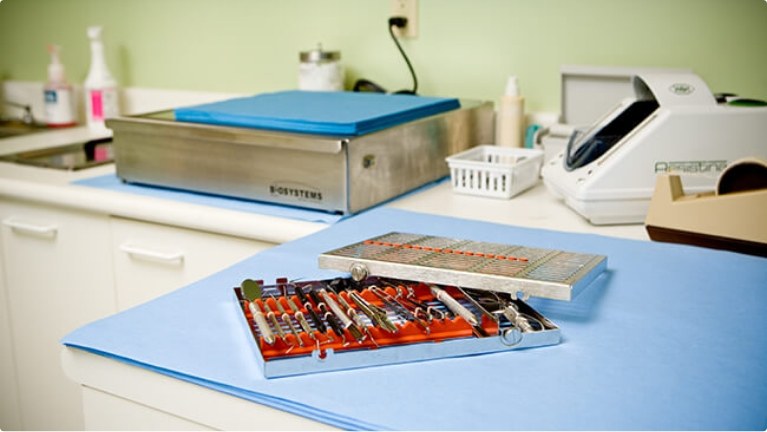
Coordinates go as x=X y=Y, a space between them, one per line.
x=409 y=10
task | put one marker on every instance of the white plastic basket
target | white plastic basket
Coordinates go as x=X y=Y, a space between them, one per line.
x=492 y=171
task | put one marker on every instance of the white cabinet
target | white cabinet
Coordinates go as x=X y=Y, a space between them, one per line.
x=104 y=411
x=10 y=419
x=151 y=260
x=62 y=269
x=58 y=276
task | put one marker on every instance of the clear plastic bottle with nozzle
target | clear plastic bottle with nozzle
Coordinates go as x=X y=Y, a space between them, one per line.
x=101 y=92
x=58 y=93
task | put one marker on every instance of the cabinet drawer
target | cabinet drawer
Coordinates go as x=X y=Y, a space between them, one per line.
x=151 y=260
x=58 y=276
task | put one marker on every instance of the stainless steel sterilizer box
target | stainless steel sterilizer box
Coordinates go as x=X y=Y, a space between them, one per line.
x=334 y=174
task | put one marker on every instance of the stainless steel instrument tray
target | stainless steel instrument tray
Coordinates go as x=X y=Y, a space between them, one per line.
x=334 y=174
x=433 y=333
x=511 y=269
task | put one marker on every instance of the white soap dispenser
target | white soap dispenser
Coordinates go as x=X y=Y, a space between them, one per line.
x=101 y=99
x=510 y=119
x=59 y=102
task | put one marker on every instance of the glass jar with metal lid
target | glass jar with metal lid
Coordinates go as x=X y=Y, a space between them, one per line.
x=320 y=70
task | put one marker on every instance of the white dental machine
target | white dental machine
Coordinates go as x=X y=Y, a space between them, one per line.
x=673 y=124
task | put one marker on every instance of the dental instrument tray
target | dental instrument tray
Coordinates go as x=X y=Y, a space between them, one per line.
x=410 y=297
x=331 y=158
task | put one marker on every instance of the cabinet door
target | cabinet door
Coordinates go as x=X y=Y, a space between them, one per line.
x=58 y=275
x=151 y=260
x=9 y=390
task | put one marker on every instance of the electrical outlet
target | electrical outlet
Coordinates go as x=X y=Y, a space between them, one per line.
x=409 y=10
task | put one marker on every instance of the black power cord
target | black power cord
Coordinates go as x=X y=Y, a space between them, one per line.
x=363 y=85
x=401 y=22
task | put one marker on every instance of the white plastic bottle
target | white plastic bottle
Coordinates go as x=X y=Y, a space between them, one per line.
x=59 y=100
x=510 y=119
x=101 y=99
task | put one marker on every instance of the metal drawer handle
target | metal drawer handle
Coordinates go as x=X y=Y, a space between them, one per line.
x=141 y=252
x=30 y=228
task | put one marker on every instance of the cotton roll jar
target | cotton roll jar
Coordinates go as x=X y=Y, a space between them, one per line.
x=320 y=70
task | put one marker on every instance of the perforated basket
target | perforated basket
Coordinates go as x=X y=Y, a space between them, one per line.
x=492 y=171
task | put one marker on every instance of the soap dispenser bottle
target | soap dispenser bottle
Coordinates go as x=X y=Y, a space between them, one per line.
x=101 y=99
x=59 y=103
x=510 y=119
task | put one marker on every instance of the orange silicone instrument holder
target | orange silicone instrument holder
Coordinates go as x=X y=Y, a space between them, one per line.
x=408 y=332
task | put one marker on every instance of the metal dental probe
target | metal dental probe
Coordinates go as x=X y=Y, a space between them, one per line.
x=512 y=313
x=300 y=318
x=308 y=305
x=459 y=310
x=477 y=305
x=252 y=290
x=336 y=325
x=263 y=326
x=356 y=316
x=365 y=309
x=453 y=305
x=286 y=319
x=406 y=297
x=270 y=314
x=345 y=320
x=393 y=305
x=423 y=308
x=350 y=311
x=399 y=308
x=329 y=317
x=376 y=314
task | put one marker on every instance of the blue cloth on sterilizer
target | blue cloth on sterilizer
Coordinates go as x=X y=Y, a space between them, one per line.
x=313 y=112
x=669 y=337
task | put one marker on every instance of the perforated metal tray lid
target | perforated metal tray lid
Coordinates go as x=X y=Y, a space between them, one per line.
x=514 y=269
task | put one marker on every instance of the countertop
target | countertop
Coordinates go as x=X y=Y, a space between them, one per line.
x=54 y=187
x=534 y=208
x=648 y=345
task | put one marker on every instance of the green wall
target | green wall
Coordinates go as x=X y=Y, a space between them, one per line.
x=465 y=48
